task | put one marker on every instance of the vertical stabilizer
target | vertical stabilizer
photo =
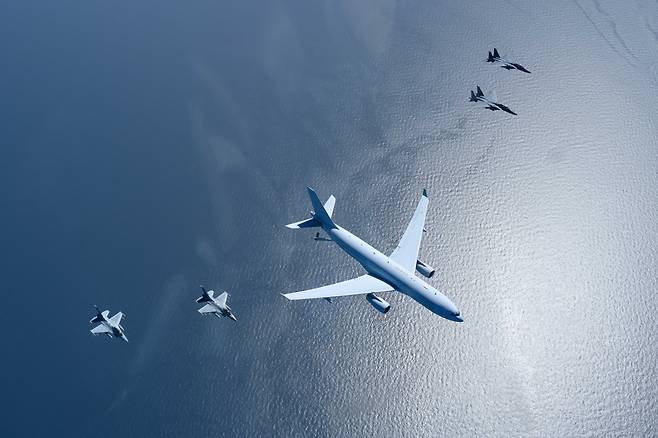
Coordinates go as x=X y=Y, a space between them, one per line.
x=496 y=54
x=320 y=213
x=313 y=221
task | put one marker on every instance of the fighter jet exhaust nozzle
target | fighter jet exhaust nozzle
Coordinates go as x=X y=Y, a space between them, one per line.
x=424 y=269
x=378 y=303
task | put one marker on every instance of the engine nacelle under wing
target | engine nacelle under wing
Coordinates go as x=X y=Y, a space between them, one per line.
x=424 y=269
x=378 y=303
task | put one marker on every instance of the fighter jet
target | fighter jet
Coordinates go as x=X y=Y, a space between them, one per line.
x=383 y=273
x=214 y=305
x=496 y=59
x=108 y=326
x=489 y=101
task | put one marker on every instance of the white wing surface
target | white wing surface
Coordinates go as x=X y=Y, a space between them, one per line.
x=100 y=329
x=221 y=300
x=492 y=96
x=208 y=308
x=356 y=286
x=116 y=319
x=406 y=253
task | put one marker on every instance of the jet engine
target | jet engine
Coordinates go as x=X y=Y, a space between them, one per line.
x=424 y=269
x=378 y=303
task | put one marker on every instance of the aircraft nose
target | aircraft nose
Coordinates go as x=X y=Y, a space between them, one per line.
x=456 y=315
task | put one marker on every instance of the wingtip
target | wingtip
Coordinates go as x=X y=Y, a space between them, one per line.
x=284 y=296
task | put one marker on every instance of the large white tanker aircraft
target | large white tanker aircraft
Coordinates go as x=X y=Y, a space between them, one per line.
x=384 y=273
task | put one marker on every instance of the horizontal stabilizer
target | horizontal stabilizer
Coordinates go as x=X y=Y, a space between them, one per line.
x=313 y=222
x=307 y=223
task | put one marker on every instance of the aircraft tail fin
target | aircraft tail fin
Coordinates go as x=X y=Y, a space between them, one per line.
x=473 y=98
x=206 y=295
x=322 y=214
x=491 y=58
x=479 y=92
x=98 y=318
x=495 y=53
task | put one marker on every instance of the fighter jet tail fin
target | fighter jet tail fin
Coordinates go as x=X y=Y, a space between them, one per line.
x=322 y=214
x=473 y=98
x=479 y=92
x=98 y=318
x=206 y=295
x=491 y=58
x=495 y=53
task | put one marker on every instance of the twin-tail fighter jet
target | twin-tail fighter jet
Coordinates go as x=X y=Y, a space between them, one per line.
x=383 y=273
x=489 y=102
x=214 y=305
x=108 y=326
x=495 y=58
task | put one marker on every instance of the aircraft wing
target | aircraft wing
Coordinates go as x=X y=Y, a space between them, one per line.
x=406 y=253
x=492 y=96
x=116 y=319
x=356 y=286
x=221 y=300
x=100 y=329
x=208 y=308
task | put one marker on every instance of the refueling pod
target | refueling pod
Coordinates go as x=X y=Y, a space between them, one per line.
x=378 y=303
x=424 y=269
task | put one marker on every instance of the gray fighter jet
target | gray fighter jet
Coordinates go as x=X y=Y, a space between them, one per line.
x=215 y=305
x=108 y=326
x=490 y=101
x=495 y=58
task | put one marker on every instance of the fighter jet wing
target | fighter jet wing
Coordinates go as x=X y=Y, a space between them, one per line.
x=406 y=252
x=356 y=286
x=221 y=300
x=116 y=319
x=492 y=96
x=100 y=329
x=208 y=308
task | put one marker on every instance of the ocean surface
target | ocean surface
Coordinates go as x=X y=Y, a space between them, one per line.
x=152 y=146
